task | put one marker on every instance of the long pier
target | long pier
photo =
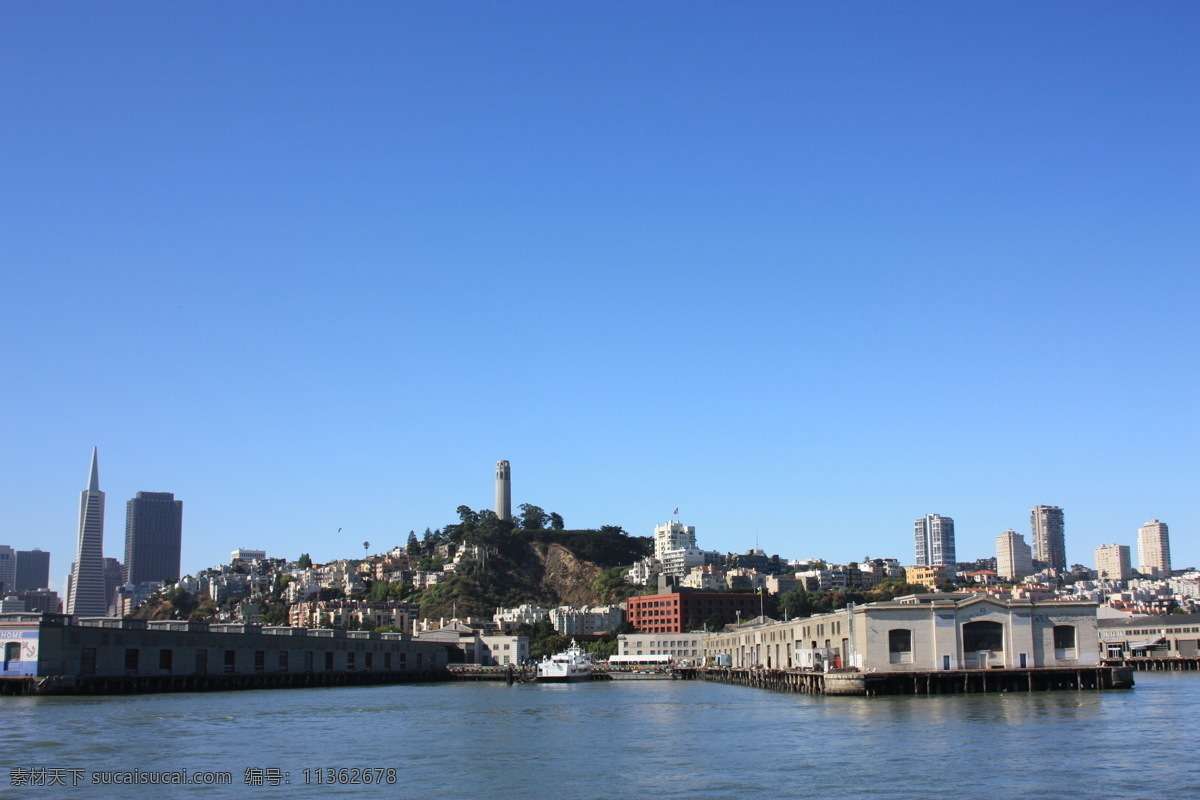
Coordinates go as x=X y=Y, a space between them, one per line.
x=853 y=682
x=1156 y=664
x=146 y=684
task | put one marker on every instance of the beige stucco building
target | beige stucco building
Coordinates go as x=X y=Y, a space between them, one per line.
x=920 y=633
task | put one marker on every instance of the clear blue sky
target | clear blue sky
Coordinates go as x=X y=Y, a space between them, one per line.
x=806 y=271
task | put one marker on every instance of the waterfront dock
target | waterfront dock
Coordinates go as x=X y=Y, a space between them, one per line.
x=853 y=682
x=1156 y=664
x=145 y=684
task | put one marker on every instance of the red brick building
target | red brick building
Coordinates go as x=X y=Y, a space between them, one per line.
x=668 y=613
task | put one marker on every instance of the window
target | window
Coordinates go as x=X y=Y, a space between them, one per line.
x=165 y=658
x=260 y=660
x=230 y=661
x=12 y=652
x=87 y=661
x=131 y=661
x=201 y=662
x=1064 y=641
x=283 y=660
x=983 y=635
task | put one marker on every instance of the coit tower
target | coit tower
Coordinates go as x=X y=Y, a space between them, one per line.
x=503 y=490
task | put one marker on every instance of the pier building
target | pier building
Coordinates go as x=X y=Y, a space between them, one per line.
x=108 y=654
x=926 y=632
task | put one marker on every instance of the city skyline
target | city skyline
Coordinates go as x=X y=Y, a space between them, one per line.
x=653 y=256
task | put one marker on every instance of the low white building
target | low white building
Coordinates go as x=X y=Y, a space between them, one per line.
x=502 y=650
x=678 y=563
x=587 y=620
x=644 y=572
x=685 y=649
x=508 y=619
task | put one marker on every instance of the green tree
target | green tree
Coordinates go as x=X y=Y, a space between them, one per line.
x=556 y=521
x=715 y=622
x=414 y=546
x=795 y=603
x=533 y=518
x=304 y=562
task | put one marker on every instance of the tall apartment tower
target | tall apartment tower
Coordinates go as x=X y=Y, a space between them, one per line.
x=503 y=490
x=87 y=595
x=1049 y=543
x=1014 y=558
x=1154 y=549
x=153 y=533
x=934 y=537
x=1112 y=562
x=33 y=570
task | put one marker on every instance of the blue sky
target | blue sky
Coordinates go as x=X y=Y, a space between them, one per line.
x=804 y=271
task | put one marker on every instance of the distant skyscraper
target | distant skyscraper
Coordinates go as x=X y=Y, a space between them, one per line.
x=503 y=490
x=33 y=570
x=114 y=578
x=1112 y=562
x=1049 y=542
x=8 y=570
x=87 y=579
x=1154 y=549
x=1014 y=558
x=934 y=537
x=153 y=532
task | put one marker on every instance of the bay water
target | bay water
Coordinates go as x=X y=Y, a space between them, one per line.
x=618 y=739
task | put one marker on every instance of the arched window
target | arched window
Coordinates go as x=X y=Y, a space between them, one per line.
x=900 y=646
x=12 y=652
x=1064 y=642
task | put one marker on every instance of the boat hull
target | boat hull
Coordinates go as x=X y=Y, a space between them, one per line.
x=564 y=678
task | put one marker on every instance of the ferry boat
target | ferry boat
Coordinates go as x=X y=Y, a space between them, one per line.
x=573 y=664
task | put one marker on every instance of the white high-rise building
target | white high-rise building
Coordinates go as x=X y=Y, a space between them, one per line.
x=88 y=596
x=934 y=538
x=503 y=490
x=673 y=536
x=1014 y=558
x=1112 y=562
x=1154 y=549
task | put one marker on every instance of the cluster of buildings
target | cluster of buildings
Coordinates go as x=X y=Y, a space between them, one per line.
x=153 y=535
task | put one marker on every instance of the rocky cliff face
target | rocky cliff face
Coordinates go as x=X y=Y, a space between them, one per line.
x=565 y=576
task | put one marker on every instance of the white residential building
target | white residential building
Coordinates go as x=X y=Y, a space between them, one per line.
x=673 y=536
x=644 y=572
x=678 y=563
x=1014 y=558
x=586 y=621
x=508 y=619
x=1154 y=550
x=1112 y=562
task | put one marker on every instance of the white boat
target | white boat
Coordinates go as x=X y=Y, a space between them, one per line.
x=570 y=665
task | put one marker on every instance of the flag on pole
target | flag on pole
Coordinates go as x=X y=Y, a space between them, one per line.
x=677 y=512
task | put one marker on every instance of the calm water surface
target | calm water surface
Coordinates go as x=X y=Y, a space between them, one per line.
x=661 y=739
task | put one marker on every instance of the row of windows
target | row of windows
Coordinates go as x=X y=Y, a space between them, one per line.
x=166 y=661
x=980 y=635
